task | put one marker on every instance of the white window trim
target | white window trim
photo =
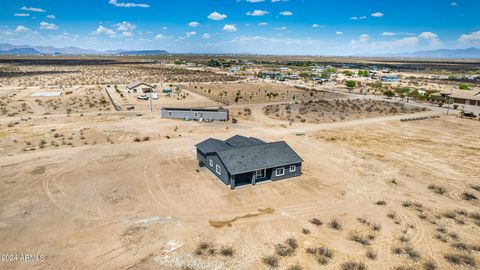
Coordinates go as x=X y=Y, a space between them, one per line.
x=218 y=169
x=278 y=174
x=263 y=172
x=211 y=163
x=293 y=168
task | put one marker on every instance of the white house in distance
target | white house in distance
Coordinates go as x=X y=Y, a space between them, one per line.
x=139 y=87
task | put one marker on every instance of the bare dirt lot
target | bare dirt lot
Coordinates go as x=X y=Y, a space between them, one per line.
x=250 y=93
x=383 y=195
x=324 y=111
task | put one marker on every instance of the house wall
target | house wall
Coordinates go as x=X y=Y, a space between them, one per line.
x=174 y=114
x=205 y=159
x=288 y=174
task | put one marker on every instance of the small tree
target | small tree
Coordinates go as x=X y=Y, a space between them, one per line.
x=389 y=93
x=463 y=87
x=350 y=84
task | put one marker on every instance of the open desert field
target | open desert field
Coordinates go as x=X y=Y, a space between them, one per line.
x=125 y=192
x=322 y=111
x=250 y=93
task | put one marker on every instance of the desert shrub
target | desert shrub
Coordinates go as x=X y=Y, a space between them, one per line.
x=469 y=196
x=437 y=189
x=286 y=249
x=476 y=187
x=375 y=226
x=227 y=251
x=322 y=254
x=460 y=259
x=137 y=140
x=429 y=265
x=294 y=267
x=335 y=224
x=381 y=202
x=271 y=261
x=407 y=251
x=356 y=237
x=305 y=231
x=316 y=221
x=371 y=254
x=353 y=266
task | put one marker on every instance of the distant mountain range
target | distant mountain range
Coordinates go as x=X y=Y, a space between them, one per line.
x=10 y=49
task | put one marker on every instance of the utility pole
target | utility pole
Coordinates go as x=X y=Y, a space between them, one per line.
x=151 y=103
x=290 y=117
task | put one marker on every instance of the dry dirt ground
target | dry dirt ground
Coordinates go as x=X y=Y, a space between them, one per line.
x=251 y=93
x=322 y=111
x=401 y=193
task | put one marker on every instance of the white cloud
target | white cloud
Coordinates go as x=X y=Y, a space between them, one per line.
x=362 y=39
x=189 y=34
x=32 y=9
x=388 y=34
x=193 y=24
x=161 y=37
x=286 y=13
x=125 y=26
x=257 y=12
x=358 y=18
x=262 y=24
x=472 y=38
x=255 y=1
x=339 y=33
x=51 y=16
x=22 y=29
x=21 y=14
x=453 y=4
x=230 y=28
x=431 y=37
x=102 y=30
x=377 y=14
x=216 y=16
x=281 y=28
x=48 y=26
x=127 y=34
x=127 y=5
x=316 y=26
x=206 y=36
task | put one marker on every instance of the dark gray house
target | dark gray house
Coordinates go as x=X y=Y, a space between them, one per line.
x=195 y=114
x=243 y=160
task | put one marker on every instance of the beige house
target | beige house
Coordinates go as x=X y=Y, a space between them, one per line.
x=467 y=98
x=140 y=87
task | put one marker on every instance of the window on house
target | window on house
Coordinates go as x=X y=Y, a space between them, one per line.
x=195 y=114
x=279 y=171
x=260 y=174
x=218 y=170
x=293 y=168
x=169 y=113
x=211 y=163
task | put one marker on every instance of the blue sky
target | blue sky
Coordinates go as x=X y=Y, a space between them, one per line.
x=244 y=26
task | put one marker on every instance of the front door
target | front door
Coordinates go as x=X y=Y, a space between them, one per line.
x=260 y=174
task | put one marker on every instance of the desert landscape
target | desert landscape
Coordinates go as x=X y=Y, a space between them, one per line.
x=385 y=184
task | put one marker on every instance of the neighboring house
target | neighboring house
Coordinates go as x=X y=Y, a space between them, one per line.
x=391 y=79
x=271 y=76
x=140 y=87
x=293 y=77
x=466 y=98
x=195 y=114
x=241 y=160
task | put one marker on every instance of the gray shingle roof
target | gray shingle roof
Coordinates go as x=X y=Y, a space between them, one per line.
x=263 y=156
x=242 y=141
x=212 y=146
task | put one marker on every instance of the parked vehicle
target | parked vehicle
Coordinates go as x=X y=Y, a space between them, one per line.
x=154 y=95
x=143 y=97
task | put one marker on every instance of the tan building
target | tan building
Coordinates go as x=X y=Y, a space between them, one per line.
x=140 y=87
x=463 y=97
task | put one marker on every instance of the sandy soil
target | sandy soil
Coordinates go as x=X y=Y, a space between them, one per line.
x=145 y=205
x=251 y=93
x=324 y=111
